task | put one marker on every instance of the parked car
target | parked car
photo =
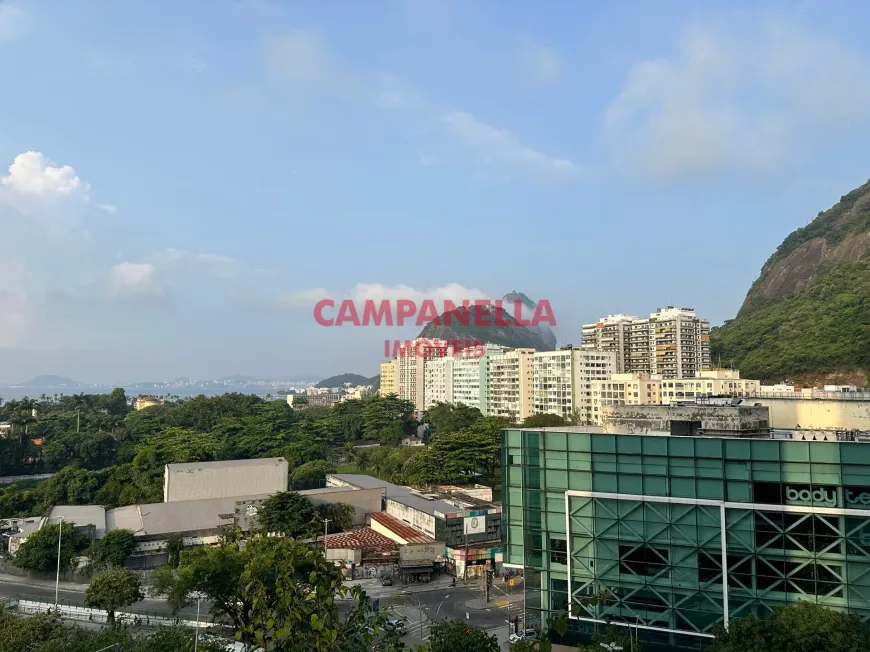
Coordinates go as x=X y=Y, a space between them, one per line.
x=395 y=625
x=528 y=634
x=387 y=580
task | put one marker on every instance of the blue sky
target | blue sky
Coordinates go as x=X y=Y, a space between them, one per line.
x=179 y=182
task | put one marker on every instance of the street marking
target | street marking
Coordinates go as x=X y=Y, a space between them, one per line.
x=501 y=603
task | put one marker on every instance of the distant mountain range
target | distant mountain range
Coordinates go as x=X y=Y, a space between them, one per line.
x=51 y=381
x=510 y=334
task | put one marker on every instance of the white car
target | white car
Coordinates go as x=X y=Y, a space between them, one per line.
x=527 y=634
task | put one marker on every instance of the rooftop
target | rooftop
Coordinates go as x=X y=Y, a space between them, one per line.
x=364 y=539
x=152 y=519
x=263 y=461
x=401 y=529
x=361 y=481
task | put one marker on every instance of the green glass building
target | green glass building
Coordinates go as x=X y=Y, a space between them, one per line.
x=677 y=535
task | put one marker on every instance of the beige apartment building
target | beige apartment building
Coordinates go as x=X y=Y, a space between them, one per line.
x=511 y=384
x=563 y=381
x=624 y=389
x=713 y=382
x=672 y=342
x=410 y=369
x=388 y=378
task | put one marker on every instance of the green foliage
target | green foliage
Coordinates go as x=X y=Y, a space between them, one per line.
x=799 y=627
x=287 y=512
x=311 y=475
x=39 y=551
x=455 y=636
x=113 y=589
x=174 y=546
x=445 y=418
x=470 y=454
x=340 y=516
x=48 y=633
x=612 y=635
x=388 y=419
x=112 y=549
x=544 y=421
x=825 y=329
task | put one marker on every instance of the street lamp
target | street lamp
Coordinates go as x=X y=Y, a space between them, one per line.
x=196 y=629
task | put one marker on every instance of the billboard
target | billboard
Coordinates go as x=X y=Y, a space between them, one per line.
x=474 y=524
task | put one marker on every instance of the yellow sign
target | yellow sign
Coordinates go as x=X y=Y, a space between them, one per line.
x=511 y=581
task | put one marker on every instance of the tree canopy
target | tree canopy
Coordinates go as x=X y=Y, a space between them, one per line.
x=112 y=589
x=39 y=552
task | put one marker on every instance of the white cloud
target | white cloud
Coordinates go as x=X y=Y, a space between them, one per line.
x=11 y=20
x=133 y=280
x=303 y=60
x=500 y=148
x=539 y=64
x=109 y=208
x=748 y=99
x=31 y=173
x=306 y=299
x=301 y=57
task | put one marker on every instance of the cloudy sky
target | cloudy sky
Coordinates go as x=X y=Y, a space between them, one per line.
x=180 y=181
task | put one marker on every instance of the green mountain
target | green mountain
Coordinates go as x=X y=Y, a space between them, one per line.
x=340 y=380
x=807 y=316
x=510 y=335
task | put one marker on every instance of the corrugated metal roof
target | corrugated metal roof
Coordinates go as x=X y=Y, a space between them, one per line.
x=400 y=528
x=364 y=539
x=80 y=515
x=263 y=461
x=361 y=481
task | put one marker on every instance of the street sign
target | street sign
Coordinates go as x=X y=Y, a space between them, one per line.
x=511 y=582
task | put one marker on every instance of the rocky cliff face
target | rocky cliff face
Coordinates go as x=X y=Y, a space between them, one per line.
x=807 y=316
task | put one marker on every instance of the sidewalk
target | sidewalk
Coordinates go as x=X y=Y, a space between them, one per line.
x=374 y=589
x=32 y=581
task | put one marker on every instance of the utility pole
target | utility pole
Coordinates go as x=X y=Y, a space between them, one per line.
x=325 y=534
x=57 y=580
x=78 y=420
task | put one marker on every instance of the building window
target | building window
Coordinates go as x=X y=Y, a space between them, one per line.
x=642 y=560
x=558 y=551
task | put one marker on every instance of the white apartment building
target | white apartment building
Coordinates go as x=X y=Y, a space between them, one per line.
x=438 y=381
x=410 y=369
x=511 y=384
x=466 y=382
x=563 y=380
x=624 y=389
x=713 y=382
x=672 y=342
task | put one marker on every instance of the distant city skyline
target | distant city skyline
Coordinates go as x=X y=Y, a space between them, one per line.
x=181 y=183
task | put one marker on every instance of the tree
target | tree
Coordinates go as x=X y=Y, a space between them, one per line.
x=798 y=627
x=545 y=420
x=311 y=475
x=174 y=546
x=455 y=636
x=287 y=512
x=113 y=589
x=340 y=516
x=112 y=549
x=444 y=418
x=612 y=635
x=39 y=553
x=292 y=590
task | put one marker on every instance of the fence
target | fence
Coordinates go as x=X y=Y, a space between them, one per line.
x=74 y=610
x=9 y=479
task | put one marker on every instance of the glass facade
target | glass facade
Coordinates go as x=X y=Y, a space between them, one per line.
x=635 y=529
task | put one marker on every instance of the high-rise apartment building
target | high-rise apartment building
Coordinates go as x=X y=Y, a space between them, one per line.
x=624 y=389
x=563 y=380
x=466 y=382
x=511 y=384
x=672 y=342
x=410 y=369
x=438 y=381
x=388 y=378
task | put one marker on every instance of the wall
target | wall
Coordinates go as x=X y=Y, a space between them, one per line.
x=364 y=501
x=816 y=413
x=344 y=555
x=208 y=481
x=421 y=551
x=651 y=419
x=420 y=520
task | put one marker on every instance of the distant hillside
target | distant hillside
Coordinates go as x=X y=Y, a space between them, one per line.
x=339 y=381
x=51 y=381
x=528 y=310
x=512 y=335
x=807 y=316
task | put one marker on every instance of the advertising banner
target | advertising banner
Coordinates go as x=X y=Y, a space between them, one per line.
x=475 y=525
